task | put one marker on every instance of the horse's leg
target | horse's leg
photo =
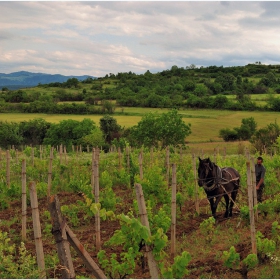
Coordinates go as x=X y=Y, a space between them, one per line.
x=233 y=197
x=218 y=199
x=211 y=200
x=227 y=206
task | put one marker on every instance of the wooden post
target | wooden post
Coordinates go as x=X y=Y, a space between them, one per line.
x=181 y=154
x=196 y=187
x=92 y=169
x=50 y=172
x=120 y=157
x=140 y=165
x=84 y=255
x=173 y=212
x=32 y=156
x=144 y=220
x=87 y=148
x=152 y=155
x=127 y=159
x=254 y=184
x=65 y=155
x=37 y=230
x=202 y=153
x=60 y=154
x=167 y=164
x=215 y=155
x=41 y=152
x=96 y=197
x=8 y=171
x=16 y=156
x=128 y=164
x=24 y=203
x=251 y=209
x=59 y=232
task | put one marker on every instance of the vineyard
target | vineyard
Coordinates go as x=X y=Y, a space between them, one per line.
x=190 y=245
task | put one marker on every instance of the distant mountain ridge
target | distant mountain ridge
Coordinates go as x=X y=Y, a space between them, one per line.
x=23 y=79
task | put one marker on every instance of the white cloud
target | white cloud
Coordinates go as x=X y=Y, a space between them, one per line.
x=96 y=38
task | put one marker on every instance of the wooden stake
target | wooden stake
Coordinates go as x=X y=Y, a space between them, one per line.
x=92 y=169
x=32 y=156
x=8 y=171
x=37 y=230
x=254 y=184
x=41 y=152
x=128 y=164
x=140 y=165
x=60 y=154
x=50 y=173
x=120 y=157
x=152 y=155
x=65 y=155
x=96 y=197
x=251 y=209
x=83 y=254
x=196 y=187
x=59 y=232
x=181 y=154
x=144 y=220
x=16 y=156
x=24 y=203
x=173 y=212
x=167 y=164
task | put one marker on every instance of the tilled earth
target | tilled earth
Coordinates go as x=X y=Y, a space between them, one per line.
x=202 y=265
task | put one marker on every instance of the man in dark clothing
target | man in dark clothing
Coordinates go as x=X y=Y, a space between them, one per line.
x=260 y=173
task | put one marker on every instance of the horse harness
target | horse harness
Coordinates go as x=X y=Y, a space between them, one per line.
x=218 y=180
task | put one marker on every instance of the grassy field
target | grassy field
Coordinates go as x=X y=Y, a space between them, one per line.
x=205 y=124
x=259 y=99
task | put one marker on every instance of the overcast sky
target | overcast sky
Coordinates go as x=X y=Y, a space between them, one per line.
x=98 y=38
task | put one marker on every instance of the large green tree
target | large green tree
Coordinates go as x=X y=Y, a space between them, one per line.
x=34 y=131
x=265 y=138
x=161 y=130
x=69 y=132
x=110 y=128
x=10 y=134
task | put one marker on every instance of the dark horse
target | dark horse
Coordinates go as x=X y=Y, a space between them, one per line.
x=218 y=182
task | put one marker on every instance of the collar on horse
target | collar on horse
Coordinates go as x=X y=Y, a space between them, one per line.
x=218 y=179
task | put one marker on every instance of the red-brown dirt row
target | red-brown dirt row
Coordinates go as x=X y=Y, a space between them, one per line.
x=187 y=226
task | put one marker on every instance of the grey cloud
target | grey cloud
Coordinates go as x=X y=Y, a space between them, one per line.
x=271 y=9
x=99 y=37
x=5 y=35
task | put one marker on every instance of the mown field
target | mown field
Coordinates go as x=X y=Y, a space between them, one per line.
x=205 y=124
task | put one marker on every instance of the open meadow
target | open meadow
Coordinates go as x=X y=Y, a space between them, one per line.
x=205 y=123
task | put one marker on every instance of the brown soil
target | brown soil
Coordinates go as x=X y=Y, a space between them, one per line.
x=202 y=264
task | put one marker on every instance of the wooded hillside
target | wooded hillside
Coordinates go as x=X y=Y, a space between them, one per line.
x=232 y=88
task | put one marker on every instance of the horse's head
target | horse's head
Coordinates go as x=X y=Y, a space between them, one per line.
x=205 y=171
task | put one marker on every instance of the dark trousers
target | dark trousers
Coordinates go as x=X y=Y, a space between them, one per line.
x=260 y=192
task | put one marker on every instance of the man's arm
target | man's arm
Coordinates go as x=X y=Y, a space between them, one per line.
x=259 y=184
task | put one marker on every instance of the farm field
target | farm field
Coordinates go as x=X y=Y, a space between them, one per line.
x=196 y=234
x=260 y=99
x=205 y=124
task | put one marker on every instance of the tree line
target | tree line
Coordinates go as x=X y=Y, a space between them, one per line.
x=153 y=130
x=178 y=87
x=263 y=139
